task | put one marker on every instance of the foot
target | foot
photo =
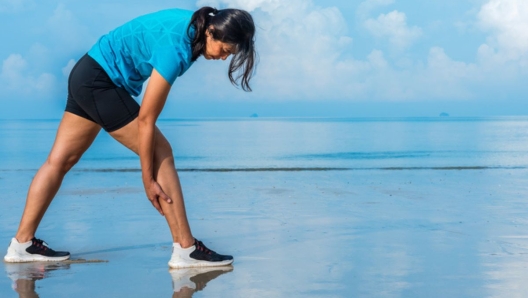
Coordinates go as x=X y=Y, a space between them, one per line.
x=32 y=251
x=195 y=279
x=198 y=255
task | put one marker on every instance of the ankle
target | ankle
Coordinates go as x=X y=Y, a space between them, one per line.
x=23 y=238
x=185 y=243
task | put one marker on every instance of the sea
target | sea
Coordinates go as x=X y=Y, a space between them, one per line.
x=305 y=144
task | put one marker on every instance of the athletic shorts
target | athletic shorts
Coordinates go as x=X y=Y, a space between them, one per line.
x=93 y=95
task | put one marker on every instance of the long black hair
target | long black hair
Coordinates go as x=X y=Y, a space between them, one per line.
x=232 y=26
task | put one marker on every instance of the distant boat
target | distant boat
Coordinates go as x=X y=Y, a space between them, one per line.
x=444 y=114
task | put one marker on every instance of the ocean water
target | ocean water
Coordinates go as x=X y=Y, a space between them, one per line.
x=370 y=207
x=311 y=144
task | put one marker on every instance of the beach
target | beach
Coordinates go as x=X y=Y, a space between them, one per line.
x=308 y=208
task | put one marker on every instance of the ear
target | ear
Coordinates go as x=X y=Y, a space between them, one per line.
x=209 y=31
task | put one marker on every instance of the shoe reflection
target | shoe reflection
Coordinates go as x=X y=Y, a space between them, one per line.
x=187 y=281
x=24 y=275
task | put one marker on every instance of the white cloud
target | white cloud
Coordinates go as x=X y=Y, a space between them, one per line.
x=366 y=7
x=299 y=45
x=507 y=22
x=32 y=73
x=45 y=83
x=306 y=52
x=393 y=26
x=12 y=69
x=67 y=69
x=67 y=31
x=17 y=79
x=376 y=59
x=11 y=6
x=447 y=78
x=249 y=5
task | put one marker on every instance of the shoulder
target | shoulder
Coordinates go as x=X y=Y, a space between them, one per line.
x=173 y=14
x=168 y=21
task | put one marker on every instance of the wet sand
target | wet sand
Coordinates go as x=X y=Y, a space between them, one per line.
x=445 y=232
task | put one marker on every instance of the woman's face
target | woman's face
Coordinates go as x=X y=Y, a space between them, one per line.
x=215 y=49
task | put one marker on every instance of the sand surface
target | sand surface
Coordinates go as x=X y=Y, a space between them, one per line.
x=351 y=233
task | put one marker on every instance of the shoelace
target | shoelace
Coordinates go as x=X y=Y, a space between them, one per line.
x=39 y=243
x=201 y=247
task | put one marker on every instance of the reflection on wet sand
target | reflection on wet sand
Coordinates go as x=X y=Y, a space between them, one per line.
x=187 y=281
x=24 y=275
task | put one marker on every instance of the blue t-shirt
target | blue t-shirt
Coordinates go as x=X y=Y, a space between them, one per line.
x=158 y=40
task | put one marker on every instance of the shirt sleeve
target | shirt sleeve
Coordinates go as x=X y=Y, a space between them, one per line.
x=169 y=63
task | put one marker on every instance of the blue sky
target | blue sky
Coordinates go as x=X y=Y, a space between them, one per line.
x=331 y=58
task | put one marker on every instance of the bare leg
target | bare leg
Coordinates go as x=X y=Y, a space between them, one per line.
x=74 y=136
x=166 y=175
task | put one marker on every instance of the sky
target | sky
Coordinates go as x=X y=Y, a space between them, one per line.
x=317 y=58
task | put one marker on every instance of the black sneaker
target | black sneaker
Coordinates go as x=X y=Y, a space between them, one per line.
x=198 y=255
x=32 y=251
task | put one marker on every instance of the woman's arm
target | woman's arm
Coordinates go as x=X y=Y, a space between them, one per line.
x=153 y=101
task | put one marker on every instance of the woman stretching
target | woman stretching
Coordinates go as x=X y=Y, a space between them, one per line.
x=160 y=46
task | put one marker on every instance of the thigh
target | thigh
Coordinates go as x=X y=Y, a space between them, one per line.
x=128 y=136
x=74 y=135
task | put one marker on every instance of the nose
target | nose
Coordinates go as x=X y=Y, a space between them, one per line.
x=225 y=57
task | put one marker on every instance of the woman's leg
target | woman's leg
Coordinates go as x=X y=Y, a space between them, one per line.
x=75 y=134
x=166 y=175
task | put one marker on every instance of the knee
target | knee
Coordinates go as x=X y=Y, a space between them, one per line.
x=62 y=163
x=164 y=151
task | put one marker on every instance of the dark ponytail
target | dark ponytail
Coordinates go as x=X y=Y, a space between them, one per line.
x=232 y=26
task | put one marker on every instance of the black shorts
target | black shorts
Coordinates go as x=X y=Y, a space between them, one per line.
x=93 y=95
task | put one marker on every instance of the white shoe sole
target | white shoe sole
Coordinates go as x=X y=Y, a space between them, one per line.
x=177 y=272
x=32 y=258
x=194 y=264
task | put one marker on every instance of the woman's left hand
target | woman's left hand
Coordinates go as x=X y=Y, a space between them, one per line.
x=155 y=193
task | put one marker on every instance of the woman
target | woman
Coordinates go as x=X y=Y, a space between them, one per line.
x=160 y=46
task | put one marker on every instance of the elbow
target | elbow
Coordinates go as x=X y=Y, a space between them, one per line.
x=145 y=120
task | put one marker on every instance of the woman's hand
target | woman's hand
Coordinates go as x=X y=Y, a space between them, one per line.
x=155 y=193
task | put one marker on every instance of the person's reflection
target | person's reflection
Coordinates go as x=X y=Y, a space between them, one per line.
x=185 y=282
x=24 y=276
